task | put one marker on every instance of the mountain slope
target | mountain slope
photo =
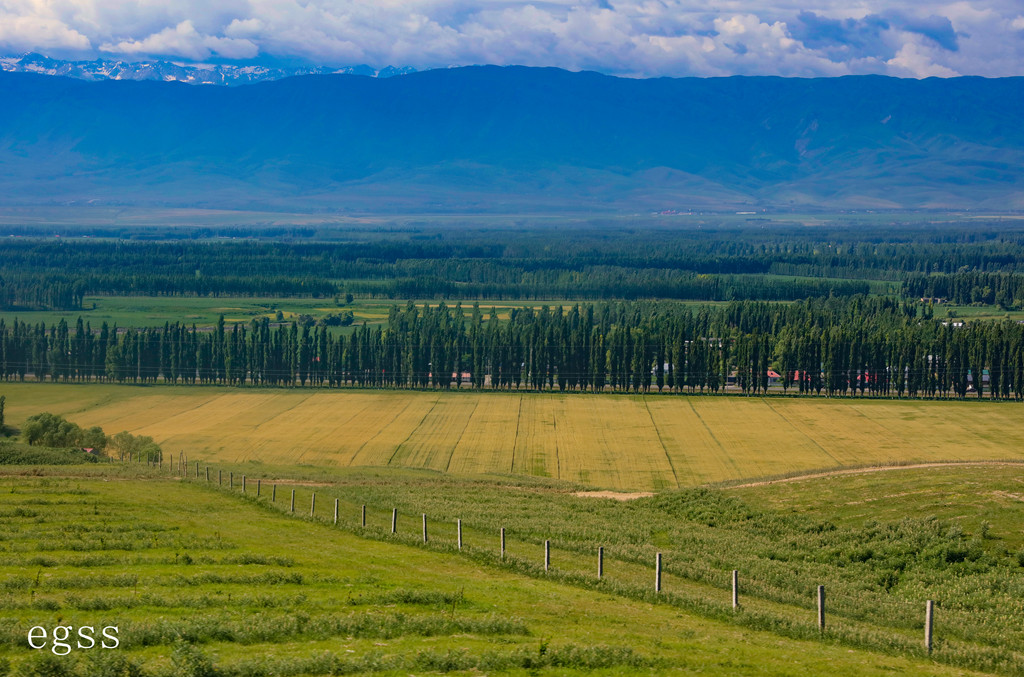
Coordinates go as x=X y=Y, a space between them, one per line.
x=486 y=138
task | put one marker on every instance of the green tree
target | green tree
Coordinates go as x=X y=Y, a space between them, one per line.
x=50 y=430
x=138 y=448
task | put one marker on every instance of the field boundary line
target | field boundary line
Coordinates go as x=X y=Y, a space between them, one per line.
x=726 y=455
x=370 y=439
x=869 y=469
x=469 y=419
x=856 y=408
x=554 y=436
x=794 y=427
x=285 y=411
x=198 y=405
x=661 y=441
x=413 y=431
x=515 y=440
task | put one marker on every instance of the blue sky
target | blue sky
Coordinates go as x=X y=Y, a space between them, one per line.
x=641 y=38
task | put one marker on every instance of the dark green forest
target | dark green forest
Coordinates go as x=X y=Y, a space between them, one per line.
x=981 y=263
x=853 y=346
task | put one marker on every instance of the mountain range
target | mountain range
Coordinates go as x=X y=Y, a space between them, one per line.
x=170 y=71
x=513 y=139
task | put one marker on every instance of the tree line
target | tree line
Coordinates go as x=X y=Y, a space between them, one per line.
x=983 y=263
x=833 y=346
x=1005 y=290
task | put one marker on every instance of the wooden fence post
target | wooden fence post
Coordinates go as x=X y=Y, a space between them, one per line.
x=259 y=486
x=292 y=508
x=273 y=494
x=821 y=608
x=220 y=478
x=424 y=527
x=243 y=484
x=335 y=512
x=547 y=555
x=735 y=589
x=459 y=522
x=197 y=469
x=657 y=573
x=363 y=515
x=394 y=520
x=600 y=562
x=929 y=624
x=207 y=473
x=312 y=505
x=231 y=480
x=503 y=543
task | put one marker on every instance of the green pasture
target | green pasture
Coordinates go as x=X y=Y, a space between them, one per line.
x=253 y=590
x=982 y=499
x=204 y=311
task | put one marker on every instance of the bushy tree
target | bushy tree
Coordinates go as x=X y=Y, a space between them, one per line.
x=50 y=430
x=139 y=447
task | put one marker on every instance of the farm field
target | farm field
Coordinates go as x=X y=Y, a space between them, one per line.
x=260 y=593
x=608 y=441
x=256 y=591
x=154 y=311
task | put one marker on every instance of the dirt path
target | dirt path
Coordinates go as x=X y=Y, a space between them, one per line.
x=858 y=471
x=617 y=495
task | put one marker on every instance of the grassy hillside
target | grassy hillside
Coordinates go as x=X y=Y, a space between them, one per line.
x=621 y=442
x=258 y=592
x=985 y=499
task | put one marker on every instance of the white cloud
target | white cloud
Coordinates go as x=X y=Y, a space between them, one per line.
x=632 y=37
x=31 y=26
x=185 y=41
x=913 y=61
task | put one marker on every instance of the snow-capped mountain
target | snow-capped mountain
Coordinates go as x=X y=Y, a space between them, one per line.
x=205 y=74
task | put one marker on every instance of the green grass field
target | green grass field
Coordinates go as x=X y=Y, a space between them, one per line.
x=610 y=441
x=154 y=311
x=256 y=591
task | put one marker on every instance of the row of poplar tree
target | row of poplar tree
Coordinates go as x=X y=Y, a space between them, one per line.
x=832 y=346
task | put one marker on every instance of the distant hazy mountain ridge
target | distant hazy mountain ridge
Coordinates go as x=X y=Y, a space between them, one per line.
x=513 y=139
x=167 y=71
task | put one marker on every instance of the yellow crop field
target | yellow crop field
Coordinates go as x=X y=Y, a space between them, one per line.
x=486 y=445
x=536 y=451
x=613 y=441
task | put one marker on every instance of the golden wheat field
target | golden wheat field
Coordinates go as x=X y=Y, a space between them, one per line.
x=610 y=441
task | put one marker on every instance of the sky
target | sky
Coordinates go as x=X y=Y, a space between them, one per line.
x=635 y=38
